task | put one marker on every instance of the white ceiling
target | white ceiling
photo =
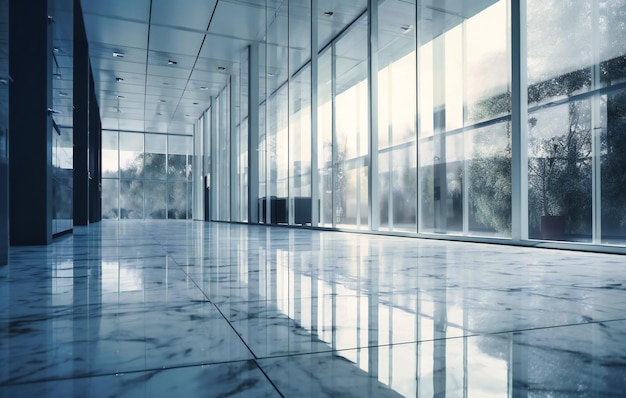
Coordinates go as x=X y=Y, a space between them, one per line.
x=207 y=40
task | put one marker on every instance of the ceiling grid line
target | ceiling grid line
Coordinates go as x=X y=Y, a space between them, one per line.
x=145 y=92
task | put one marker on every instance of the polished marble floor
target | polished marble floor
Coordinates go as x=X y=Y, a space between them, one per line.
x=185 y=309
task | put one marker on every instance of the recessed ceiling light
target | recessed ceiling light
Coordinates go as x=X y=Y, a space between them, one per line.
x=118 y=54
x=222 y=68
x=196 y=103
x=188 y=115
x=170 y=62
x=62 y=94
x=204 y=88
x=406 y=28
x=120 y=96
x=119 y=79
x=166 y=84
x=159 y=113
x=329 y=13
x=161 y=100
x=56 y=49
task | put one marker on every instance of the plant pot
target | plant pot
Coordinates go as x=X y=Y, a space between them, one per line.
x=553 y=227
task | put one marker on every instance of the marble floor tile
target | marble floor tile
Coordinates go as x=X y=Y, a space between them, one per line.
x=234 y=379
x=166 y=308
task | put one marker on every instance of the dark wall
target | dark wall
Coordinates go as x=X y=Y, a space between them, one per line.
x=4 y=131
x=95 y=150
x=30 y=123
x=81 y=119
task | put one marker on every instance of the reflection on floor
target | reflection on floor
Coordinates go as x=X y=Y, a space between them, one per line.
x=183 y=308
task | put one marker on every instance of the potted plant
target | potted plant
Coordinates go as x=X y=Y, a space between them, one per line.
x=559 y=173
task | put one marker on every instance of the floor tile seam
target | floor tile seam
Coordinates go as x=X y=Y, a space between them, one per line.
x=217 y=309
x=267 y=377
x=539 y=328
x=571 y=300
x=231 y=326
x=121 y=373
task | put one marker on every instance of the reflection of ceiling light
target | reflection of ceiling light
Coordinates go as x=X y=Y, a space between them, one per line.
x=329 y=13
x=221 y=68
x=118 y=54
x=204 y=88
x=119 y=79
x=62 y=94
x=406 y=28
x=170 y=62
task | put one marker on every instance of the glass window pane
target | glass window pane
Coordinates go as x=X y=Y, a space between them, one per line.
x=397 y=167
x=131 y=155
x=325 y=138
x=109 y=154
x=154 y=158
x=131 y=199
x=489 y=179
x=177 y=200
x=351 y=205
x=110 y=194
x=613 y=142
x=464 y=79
x=155 y=200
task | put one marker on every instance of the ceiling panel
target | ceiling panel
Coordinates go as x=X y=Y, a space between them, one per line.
x=223 y=48
x=162 y=91
x=169 y=72
x=138 y=10
x=116 y=31
x=186 y=14
x=242 y=21
x=117 y=67
x=166 y=59
x=175 y=41
x=167 y=83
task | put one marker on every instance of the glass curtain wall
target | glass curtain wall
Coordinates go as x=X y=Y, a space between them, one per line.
x=242 y=148
x=146 y=176
x=275 y=202
x=464 y=131
x=445 y=143
x=351 y=144
x=397 y=151
x=300 y=204
x=219 y=134
x=325 y=137
x=576 y=109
